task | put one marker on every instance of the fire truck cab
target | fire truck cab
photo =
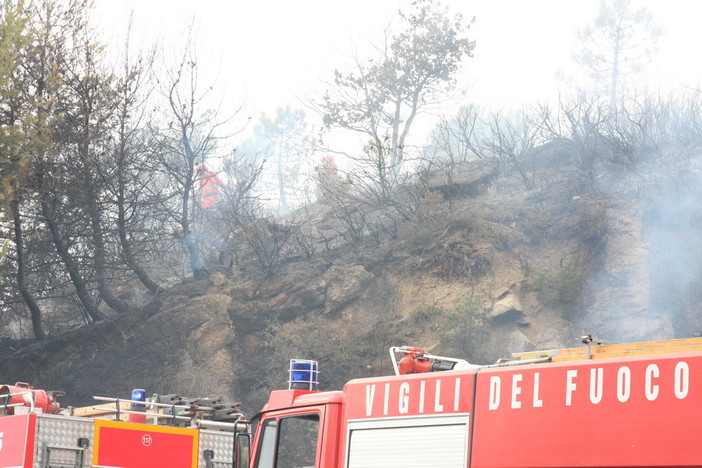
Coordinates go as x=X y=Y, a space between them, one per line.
x=299 y=428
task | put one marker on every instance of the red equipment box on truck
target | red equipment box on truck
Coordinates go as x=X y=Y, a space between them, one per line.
x=17 y=441
x=144 y=446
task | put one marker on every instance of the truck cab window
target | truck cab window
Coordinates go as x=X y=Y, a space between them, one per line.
x=266 y=456
x=290 y=442
x=297 y=447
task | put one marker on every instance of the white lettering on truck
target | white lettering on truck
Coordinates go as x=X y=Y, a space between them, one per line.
x=422 y=386
x=570 y=385
x=596 y=384
x=457 y=395
x=370 y=397
x=516 y=390
x=682 y=380
x=438 y=407
x=652 y=371
x=623 y=384
x=386 y=402
x=538 y=402
x=495 y=384
x=652 y=383
x=404 y=398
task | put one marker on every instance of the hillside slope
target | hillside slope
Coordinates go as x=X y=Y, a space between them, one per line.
x=482 y=268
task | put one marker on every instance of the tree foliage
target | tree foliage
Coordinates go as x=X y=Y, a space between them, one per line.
x=96 y=187
x=380 y=100
x=282 y=145
x=619 y=43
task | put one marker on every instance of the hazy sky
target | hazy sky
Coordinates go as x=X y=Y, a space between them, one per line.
x=278 y=52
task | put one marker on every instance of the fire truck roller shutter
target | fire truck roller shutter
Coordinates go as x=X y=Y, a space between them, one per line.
x=409 y=442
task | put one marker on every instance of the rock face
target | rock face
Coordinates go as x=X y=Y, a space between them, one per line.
x=507 y=307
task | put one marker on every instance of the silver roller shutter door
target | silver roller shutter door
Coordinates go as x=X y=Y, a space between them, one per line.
x=417 y=446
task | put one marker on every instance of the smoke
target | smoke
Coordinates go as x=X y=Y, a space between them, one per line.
x=650 y=279
x=673 y=228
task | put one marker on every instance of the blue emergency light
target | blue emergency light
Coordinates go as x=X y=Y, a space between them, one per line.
x=138 y=394
x=303 y=375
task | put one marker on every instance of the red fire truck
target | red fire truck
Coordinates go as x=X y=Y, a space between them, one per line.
x=165 y=431
x=635 y=405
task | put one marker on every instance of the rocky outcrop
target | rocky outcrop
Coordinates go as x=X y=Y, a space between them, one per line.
x=507 y=307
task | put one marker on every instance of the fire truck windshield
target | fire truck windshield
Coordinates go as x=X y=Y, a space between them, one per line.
x=289 y=442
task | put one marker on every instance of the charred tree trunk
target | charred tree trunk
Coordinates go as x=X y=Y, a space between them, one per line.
x=130 y=258
x=126 y=246
x=99 y=244
x=127 y=101
x=34 y=310
x=69 y=262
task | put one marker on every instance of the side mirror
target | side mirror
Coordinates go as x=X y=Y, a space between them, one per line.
x=242 y=448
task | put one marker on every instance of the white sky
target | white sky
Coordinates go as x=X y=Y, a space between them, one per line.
x=278 y=52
